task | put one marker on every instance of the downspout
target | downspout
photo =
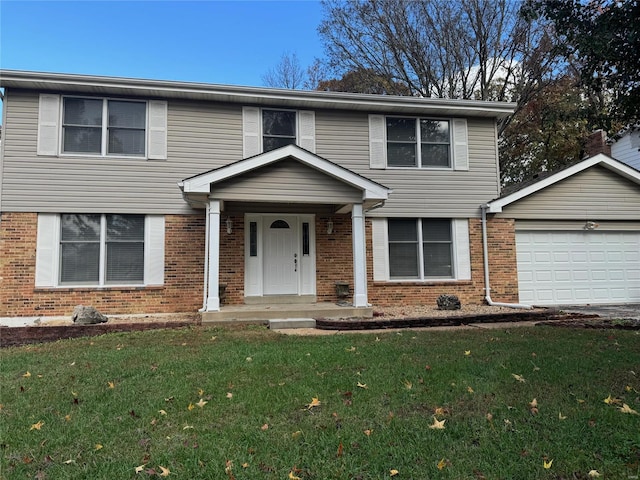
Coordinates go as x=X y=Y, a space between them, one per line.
x=485 y=251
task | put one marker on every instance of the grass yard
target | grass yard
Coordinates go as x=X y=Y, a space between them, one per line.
x=248 y=403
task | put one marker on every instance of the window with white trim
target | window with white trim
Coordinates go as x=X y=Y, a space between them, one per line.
x=420 y=248
x=102 y=249
x=418 y=142
x=101 y=126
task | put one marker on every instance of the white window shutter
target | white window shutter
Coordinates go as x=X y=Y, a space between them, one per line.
x=48 y=124
x=250 y=131
x=307 y=130
x=461 y=247
x=47 y=249
x=460 y=144
x=157 y=136
x=380 y=250
x=154 y=250
x=377 y=141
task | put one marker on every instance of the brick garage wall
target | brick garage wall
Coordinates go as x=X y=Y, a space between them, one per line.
x=502 y=265
x=182 y=291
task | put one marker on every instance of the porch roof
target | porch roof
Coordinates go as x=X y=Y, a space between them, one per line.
x=366 y=191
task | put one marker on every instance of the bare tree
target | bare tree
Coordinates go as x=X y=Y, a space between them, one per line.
x=472 y=49
x=286 y=74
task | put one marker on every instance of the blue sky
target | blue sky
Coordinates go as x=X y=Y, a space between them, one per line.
x=227 y=42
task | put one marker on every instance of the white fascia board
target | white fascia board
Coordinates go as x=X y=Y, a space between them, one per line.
x=370 y=190
x=496 y=206
x=253 y=95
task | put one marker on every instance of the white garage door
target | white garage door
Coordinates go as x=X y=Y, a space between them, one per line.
x=556 y=268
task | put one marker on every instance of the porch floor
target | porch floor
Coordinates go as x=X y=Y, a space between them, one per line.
x=264 y=313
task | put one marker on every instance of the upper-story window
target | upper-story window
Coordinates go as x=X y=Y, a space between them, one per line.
x=104 y=127
x=278 y=129
x=267 y=129
x=420 y=143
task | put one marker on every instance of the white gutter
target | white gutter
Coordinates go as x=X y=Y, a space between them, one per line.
x=485 y=251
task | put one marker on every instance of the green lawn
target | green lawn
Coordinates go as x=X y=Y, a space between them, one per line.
x=238 y=403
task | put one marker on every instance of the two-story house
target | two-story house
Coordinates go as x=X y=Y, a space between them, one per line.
x=146 y=196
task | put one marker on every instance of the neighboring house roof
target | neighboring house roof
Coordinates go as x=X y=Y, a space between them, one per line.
x=91 y=84
x=496 y=206
x=372 y=192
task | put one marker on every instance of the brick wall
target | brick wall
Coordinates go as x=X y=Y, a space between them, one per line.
x=182 y=291
x=184 y=270
x=502 y=264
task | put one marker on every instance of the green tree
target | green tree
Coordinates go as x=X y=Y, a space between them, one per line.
x=602 y=39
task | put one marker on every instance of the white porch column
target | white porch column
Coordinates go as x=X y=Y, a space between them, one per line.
x=359 y=257
x=213 y=299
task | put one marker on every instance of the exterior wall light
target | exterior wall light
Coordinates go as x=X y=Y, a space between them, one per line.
x=591 y=226
x=229 y=224
x=329 y=227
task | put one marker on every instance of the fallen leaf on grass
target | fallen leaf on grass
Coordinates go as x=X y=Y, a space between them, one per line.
x=191 y=406
x=37 y=426
x=547 y=464
x=111 y=384
x=165 y=472
x=352 y=349
x=467 y=352
x=98 y=446
x=27 y=375
x=162 y=412
x=407 y=384
x=293 y=477
x=339 y=454
x=315 y=402
x=264 y=427
x=441 y=464
x=611 y=401
x=140 y=468
x=561 y=417
x=469 y=390
x=362 y=385
x=437 y=425
x=627 y=409
x=593 y=474
x=201 y=403
x=393 y=472
x=519 y=378
x=229 y=395
x=296 y=434
x=368 y=432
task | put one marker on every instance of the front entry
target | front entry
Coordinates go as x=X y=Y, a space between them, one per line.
x=280 y=256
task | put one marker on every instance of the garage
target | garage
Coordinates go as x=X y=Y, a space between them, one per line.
x=578 y=267
x=577 y=234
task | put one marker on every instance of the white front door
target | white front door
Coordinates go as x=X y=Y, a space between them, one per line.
x=281 y=256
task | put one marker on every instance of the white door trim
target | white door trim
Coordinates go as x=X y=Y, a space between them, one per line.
x=256 y=224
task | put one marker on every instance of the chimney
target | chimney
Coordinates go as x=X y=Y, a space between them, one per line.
x=597 y=143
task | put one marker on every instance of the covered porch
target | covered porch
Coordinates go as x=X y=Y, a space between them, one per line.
x=278 y=226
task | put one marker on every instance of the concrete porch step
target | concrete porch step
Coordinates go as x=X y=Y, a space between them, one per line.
x=264 y=313
x=285 y=323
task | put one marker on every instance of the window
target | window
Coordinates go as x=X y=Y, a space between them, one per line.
x=420 y=248
x=418 y=143
x=102 y=249
x=278 y=129
x=104 y=127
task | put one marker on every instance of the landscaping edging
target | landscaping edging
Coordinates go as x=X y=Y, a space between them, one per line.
x=446 y=321
x=14 y=336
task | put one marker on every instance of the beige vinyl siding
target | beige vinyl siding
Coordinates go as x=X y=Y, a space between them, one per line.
x=343 y=138
x=200 y=137
x=286 y=181
x=594 y=194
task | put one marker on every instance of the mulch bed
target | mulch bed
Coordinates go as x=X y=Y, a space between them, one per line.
x=550 y=316
x=12 y=336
